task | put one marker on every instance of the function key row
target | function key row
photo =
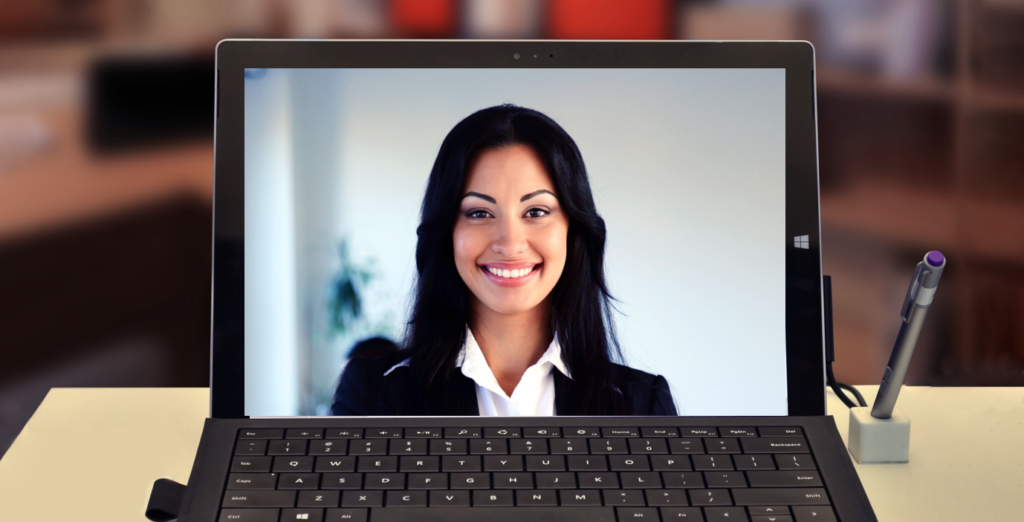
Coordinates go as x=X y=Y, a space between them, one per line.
x=516 y=433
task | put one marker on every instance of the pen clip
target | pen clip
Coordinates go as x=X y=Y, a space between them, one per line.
x=915 y=284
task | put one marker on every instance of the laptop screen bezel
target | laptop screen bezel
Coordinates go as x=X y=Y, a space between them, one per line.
x=805 y=372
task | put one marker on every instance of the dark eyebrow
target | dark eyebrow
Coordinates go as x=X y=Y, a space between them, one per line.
x=481 y=196
x=537 y=193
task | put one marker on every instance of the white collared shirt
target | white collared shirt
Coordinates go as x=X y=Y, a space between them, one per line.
x=534 y=396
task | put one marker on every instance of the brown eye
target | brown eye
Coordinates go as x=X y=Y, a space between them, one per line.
x=536 y=213
x=478 y=214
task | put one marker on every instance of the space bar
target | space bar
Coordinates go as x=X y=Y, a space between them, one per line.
x=494 y=514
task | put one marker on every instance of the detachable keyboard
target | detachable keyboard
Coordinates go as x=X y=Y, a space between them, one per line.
x=567 y=469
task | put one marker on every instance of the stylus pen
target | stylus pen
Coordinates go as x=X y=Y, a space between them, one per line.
x=915 y=309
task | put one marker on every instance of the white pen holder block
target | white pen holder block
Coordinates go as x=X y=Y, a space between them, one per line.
x=879 y=440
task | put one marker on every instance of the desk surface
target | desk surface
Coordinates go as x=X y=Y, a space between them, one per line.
x=93 y=454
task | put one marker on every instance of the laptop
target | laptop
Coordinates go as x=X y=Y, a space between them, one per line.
x=518 y=280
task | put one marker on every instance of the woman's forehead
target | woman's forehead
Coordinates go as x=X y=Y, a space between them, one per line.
x=508 y=171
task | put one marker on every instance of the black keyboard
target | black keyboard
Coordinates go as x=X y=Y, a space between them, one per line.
x=498 y=470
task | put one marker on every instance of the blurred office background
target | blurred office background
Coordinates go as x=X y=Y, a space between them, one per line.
x=106 y=167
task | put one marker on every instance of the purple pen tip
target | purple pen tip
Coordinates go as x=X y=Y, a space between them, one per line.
x=935 y=258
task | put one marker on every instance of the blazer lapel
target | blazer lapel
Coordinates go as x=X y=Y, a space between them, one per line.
x=564 y=395
x=464 y=390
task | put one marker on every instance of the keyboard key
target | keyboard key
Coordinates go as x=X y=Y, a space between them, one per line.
x=252 y=481
x=488 y=447
x=384 y=433
x=691 y=514
x=666 y=497
x=698 y=432
x=492 y=498
x=568 y=446
x=648 y=446
x=640 y=514
x=640 y=480
x=428 y=481
x=780 y=496
x=723 y=445
x=423 y=433
x=580 y=497
x=303 y=514
x=261 y=433
x=448 y=447
x=362 y=499
x=342 y=481
x=683 y=480
x=337 y=464
x=587 y=463
x=419 y=464
x=545 y=463
x=245 y=499
x=502 y=433
x=781 y=431
x=725 y=514
x=250 y=464
x=556 y=480
x=581 y=432
x=620 y=432
x=293 y=464
x=768 y=510
x=348 y=433
x=659 y=432
x=749 y=462
x=710 y=497
x=406 y=499
x=771 y=518
x=775 y=445
x=251 y=447
x=470 y=480
x=287 y=447
x=495 y=514
x=599 y=480
x=623 y=497
x=527 y=446
x=685 y=446
x=629 y=463
x=303 y=434
x=462 y=433
x=385 y=481
x=460 y=463
x=299 y=481
x=795 y=462
x=731 y=431
x=513 y=480
x=711 y=462
x=408 y=447
x=248 y=515
x=503 y=463
x=368 y=447
x=449 y=498
x=727 y=479
x=608 y=446
x=328 y=447
x=320 y=499
x=380 y=464
x=346 y=515
x=813 y=514
x=535 y=498
x=784 y=479
x=541 y=432
x=670 y=463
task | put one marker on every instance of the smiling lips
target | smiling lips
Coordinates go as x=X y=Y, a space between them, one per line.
x=510 y=275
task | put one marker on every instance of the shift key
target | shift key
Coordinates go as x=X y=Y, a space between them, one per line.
x=257 y=499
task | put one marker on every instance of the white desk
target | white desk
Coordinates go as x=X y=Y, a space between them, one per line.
x=93 y=454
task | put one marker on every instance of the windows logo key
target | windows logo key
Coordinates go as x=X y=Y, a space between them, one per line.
x=803 y=242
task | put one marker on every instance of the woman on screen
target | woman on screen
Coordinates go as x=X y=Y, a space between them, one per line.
x=511 y=313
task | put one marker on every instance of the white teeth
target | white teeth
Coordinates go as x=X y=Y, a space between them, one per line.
x=506 y=273
x=509 y=274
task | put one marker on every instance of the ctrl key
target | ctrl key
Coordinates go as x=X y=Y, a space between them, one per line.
x=248 y=515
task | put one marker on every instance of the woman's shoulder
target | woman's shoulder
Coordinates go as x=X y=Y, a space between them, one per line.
x=360 y=384
x=649 y=393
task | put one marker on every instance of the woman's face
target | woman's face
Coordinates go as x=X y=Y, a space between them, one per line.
x=510 y=236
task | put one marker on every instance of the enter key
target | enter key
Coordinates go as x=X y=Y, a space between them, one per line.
x=784 y=479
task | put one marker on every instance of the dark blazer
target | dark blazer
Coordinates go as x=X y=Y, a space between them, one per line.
x=364 y=390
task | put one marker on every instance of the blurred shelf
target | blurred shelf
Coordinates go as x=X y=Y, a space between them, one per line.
x=833 y=81
x=988 y=98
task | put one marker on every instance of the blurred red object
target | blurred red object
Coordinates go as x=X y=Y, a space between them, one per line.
x=609 y=19
x=423 y=18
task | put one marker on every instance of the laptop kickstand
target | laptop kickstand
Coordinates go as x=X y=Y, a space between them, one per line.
x=165 y=500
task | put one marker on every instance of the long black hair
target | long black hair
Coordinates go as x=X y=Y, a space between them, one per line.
x=581 y=312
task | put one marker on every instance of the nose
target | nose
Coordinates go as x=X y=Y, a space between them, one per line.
x=511 y=238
